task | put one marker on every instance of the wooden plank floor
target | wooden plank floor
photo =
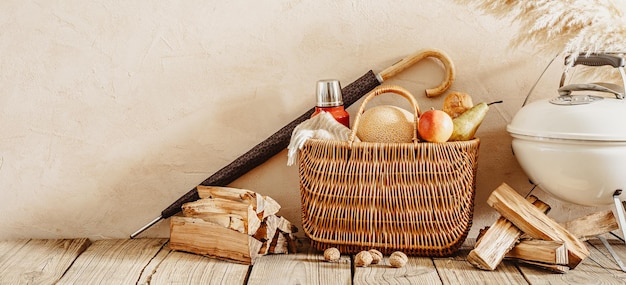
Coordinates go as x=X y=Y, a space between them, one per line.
x=150 y=261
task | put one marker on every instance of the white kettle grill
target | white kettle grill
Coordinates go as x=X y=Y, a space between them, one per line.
x=574 y=145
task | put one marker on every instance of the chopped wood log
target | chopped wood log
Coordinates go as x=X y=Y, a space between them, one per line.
x=231 y=221
x=207 y=208
x=285 y=226
x=540 y=253
x=228 y=193
x=282 y=224
x=267 y=230
x=534 y=222
x=265 y=247
x=481 y=233
x=264 y=206
x=278 y=244
x=271 y=228
x=200 y=237
x=592 y=225
x=292 y=245
x=273 y=225
x=271 y=207
x=498 y=239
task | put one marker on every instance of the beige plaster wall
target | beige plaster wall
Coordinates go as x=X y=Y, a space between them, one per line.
x=111 y=110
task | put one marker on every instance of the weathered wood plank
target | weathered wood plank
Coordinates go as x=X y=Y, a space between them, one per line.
x=113 y=262
x=606 y=261
x=300 y=268
x=174 y=267
x=9 y=247
x=38 y=261
x=419 y=270
x=457 y=270
x=146 y=261
x=151 y=268
x=593 y=270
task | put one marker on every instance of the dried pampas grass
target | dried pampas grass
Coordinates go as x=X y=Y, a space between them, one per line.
x=563 y=26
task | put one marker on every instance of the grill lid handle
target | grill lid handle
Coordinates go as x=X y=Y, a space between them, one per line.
x=598 y=60
x=595 y=59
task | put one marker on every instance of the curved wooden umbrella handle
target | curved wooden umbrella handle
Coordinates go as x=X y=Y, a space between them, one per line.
x=414 y=58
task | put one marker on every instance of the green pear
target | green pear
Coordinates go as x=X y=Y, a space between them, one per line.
x=466 y=125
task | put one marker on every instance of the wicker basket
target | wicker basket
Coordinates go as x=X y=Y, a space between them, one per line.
x=413 y=197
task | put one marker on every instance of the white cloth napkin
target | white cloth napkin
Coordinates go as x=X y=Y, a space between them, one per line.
x=322 y=126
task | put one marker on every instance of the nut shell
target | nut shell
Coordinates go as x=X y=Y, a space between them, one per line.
x=377 y=256
x=398 y=259
x=456 y=103
x=363 y=259
x=332 y=254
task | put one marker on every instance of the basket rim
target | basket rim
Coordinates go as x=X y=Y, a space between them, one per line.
x=475 y=140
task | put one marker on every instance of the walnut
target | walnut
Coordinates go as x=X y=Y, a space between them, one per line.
x=456 y=103
x=377 y=256
x=363 y=259
x=398 y=259
x=332 y=254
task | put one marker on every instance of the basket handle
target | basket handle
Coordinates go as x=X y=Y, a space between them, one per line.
x=382 y=90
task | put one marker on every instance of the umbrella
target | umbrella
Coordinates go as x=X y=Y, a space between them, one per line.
x=280 y=140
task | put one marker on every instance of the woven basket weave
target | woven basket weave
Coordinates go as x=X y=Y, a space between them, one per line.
x=413 y=197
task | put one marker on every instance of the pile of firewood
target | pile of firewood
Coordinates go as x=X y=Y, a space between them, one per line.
x=525 y=233
x=231 y=224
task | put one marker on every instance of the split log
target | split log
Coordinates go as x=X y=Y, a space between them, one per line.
x=592 y=225
x=271 y=207
x=207 y=209
x=285 y=226
x=493 y=244
x=266 y=233
x=269 y=232
x=278 y=244
x=292 y=245
x=272 y=224
x=263 y=205
x=265 y=247
x=228 y=193
x=231 y=221
x=551 y=255
x=535 y=223
x=200 y=237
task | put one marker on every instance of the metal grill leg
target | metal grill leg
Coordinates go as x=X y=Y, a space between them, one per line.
x=613 y=253
x=619 y=208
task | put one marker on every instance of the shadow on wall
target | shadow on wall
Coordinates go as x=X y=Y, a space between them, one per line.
x=199 y=146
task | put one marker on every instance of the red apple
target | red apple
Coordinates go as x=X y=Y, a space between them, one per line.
x=435 y=126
